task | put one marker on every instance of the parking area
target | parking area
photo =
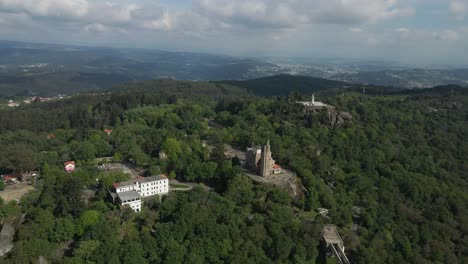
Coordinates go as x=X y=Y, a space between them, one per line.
x=15 y=191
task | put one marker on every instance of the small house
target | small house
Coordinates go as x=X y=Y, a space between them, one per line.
x=276 y=169
x=9 y=179
x=69 y=166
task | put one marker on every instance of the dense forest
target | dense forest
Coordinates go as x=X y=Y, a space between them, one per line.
x=283 y=84
x=393 y=178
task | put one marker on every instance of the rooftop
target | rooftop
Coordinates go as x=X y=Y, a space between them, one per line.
x=69 y=162
x=125 y=183
x=255 y=149
x=153 y=178
x=10 y=177
x=140 y=179
x=130 y=195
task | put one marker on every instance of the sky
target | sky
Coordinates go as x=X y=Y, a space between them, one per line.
x=406 y=31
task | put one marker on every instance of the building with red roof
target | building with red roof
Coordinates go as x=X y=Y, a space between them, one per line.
x=69 y=166
x=11 y=178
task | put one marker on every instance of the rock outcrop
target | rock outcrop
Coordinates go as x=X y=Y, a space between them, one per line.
x=6 y=239
x=42 y=260
x=338 y=119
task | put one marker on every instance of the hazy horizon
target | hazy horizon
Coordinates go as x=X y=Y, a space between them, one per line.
x=413 y=32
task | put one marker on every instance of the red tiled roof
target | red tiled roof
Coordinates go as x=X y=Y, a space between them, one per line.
x=69 y=162
x=276 y=166
x=9 y=177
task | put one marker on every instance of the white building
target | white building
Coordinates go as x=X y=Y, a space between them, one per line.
x=130 y=192
x=314 y=104
x=130 y=198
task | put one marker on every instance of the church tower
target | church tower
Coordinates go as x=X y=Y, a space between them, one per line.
x=266 y=162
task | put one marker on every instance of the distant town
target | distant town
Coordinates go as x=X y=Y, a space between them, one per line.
x=35 y=99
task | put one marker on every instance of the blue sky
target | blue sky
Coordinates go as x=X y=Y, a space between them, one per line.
x=409 y=31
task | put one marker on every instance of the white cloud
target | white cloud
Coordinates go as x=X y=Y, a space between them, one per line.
x=208 y=16
x=241 y=26
x=355 y=29
x=372 y=41
x=96 y=27
x=402 y=30
x=165 y=22
x=250 y=13
x=459 y=9
x=276 y=37
x=53 y=8
x=448 y=35
x=124 y=13
x=14 y=19
x=403 y=33
x=290 y=13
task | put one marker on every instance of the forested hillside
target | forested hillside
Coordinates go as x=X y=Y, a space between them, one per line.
x=394 y=178
x=35 y=69
x=283 y=85
x=54 y=83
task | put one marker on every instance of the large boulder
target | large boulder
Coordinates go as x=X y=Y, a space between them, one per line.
x=42 y=260
x=338 y=119
x=6 y=239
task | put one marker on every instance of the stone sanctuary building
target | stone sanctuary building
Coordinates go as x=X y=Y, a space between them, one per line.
x=259 y=159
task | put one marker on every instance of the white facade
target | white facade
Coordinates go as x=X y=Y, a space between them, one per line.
x=126 y=189
x=130 y=198
x=135 y=205
x=154 y=187
x=141 y=187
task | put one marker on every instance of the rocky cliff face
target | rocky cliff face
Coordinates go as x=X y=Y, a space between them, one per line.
x=7 y=233
x=329 y=117
x=338 y=119
x=6 y=239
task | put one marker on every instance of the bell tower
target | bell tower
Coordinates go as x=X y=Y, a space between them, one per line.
x=266 y=162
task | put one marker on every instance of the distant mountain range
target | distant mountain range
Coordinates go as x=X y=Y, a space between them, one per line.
x=375 y=74
x=49 y=69
x=410 y=78
x=46 y=69
x=283 y=85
